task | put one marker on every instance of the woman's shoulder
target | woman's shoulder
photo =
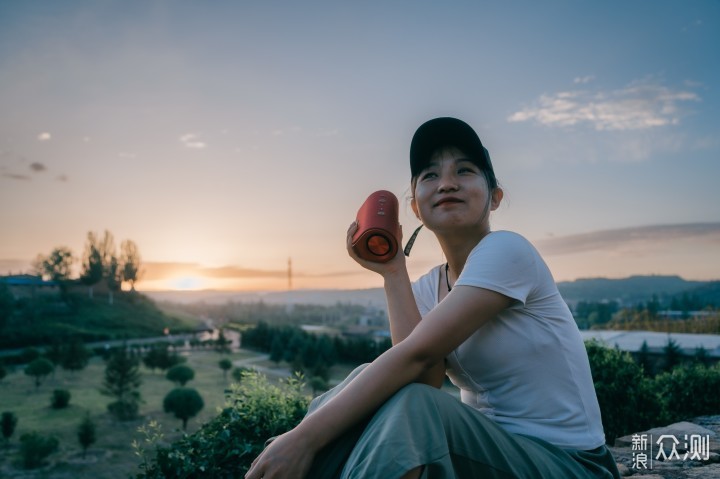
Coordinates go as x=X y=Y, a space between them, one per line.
x=506 y=240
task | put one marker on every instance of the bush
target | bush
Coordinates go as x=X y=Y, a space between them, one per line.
x=184 y=403
x=180 y=374
x=34 y=448
x=627 y=401
x=60 y=398
x=226 y=446
x=9 y=421
x=39 y=368
x=686 y=391
x=86 y=433
x=124 y=410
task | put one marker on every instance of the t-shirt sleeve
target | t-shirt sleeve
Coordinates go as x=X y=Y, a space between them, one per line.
x=503 y=262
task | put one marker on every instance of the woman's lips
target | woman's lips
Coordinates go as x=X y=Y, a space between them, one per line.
x=448 y=200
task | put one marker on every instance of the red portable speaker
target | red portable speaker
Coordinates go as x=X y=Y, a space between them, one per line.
x=378 y=228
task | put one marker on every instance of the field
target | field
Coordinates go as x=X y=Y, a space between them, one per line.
x=111 y=457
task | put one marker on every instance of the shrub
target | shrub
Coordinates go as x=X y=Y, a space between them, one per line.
x=34 y=448
x=627 y=401
x=184 y=403
x=9 y=421
x=86 y=433
x=180 y=374
x=226 y=446
x=686 y=391
x=60 y=398
x=39 y=368
x=226 y=365
x=124 y=410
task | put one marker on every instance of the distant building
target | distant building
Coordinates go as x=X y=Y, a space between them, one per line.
x=29 y=286
x=632 y=341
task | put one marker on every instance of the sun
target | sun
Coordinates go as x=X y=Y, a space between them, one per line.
x=186 y=283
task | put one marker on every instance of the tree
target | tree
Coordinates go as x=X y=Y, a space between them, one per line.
x=122 y=381
x=222 y=344
x=75 y=356
x=57 y=266
x=92 y=266
x=644 y=360
x=9 y=421
x=60 y=398
x=7 y=304
x=180 y=374
x=131 y=262
x=226 y=365
x=114 y=278
x=39 y=368
x=671 y=355
x=184 y=403
x=34 y=448
x=3 y=372
x=86 y=433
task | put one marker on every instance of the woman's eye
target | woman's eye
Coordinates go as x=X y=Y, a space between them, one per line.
x=428 y=175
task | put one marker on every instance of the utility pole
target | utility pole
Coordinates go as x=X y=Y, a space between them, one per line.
x=289 y=274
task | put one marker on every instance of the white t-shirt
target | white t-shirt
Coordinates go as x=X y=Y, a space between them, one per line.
x=527 y=369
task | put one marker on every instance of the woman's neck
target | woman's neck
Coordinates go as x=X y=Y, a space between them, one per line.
x=457 y=248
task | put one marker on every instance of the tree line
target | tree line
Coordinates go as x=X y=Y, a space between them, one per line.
x=100 y=261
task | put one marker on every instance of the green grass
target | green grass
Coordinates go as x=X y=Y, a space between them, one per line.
x=111 y=456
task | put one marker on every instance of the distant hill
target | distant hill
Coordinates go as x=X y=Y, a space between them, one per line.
x=631 y=290
x=46 y=319
x=627 y=291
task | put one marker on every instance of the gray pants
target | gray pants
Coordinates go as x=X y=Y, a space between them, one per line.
x=423 y=426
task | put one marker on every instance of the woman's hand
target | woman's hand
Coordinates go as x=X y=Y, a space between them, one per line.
x=288 y=456
x=397 y=264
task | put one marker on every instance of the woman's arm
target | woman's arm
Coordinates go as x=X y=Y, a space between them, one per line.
x=403 y=313
x=462 y=312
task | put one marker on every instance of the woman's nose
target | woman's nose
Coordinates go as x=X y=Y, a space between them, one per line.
x=447 y=183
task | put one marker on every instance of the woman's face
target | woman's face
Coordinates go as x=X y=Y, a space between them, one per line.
x=452 y=193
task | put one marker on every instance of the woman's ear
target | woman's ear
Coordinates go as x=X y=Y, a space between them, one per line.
x=413 y=205
x=497 y=196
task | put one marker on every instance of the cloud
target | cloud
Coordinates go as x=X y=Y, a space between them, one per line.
x=37 y=167
x=612 y=240
x=160 y=271
x=44 y=136
x=190 y=140
x=638 y=106
x=14 y=176
x=585 y=79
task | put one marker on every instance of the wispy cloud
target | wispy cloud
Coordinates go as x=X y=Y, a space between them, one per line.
x=190 y=140
x=14 y=176
x=609 y=240
x=37 y=167
x=585 y=79
x=44 y=136
x=640 y=105
x=159 y=271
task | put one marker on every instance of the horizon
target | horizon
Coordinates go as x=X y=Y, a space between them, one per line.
x=225 y=154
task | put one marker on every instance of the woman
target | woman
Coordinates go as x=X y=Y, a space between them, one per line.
x=490 y=318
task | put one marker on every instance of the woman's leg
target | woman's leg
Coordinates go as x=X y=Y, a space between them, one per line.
x=423 y=426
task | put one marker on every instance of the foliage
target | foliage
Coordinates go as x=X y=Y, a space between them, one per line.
x=34 y=448
x=686 y=391
x=226 y=446
x=626 y=398
x=60 y=399
x=122 y=381
x=131 y=261
x=226 y=365
x=57 y=266
x=3 y=371
x=222 y=344
x=184 y=403
x=239 y=373
x=180 y=374
x=160 y=357
x=75 y=356
x=9 y=421
x=86 y=433
x=39 y=368
x=7 y=304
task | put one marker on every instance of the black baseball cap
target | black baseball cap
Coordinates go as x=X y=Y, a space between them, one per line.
x=446 y=131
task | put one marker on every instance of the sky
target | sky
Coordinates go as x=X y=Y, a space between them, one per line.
x=228 y=138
